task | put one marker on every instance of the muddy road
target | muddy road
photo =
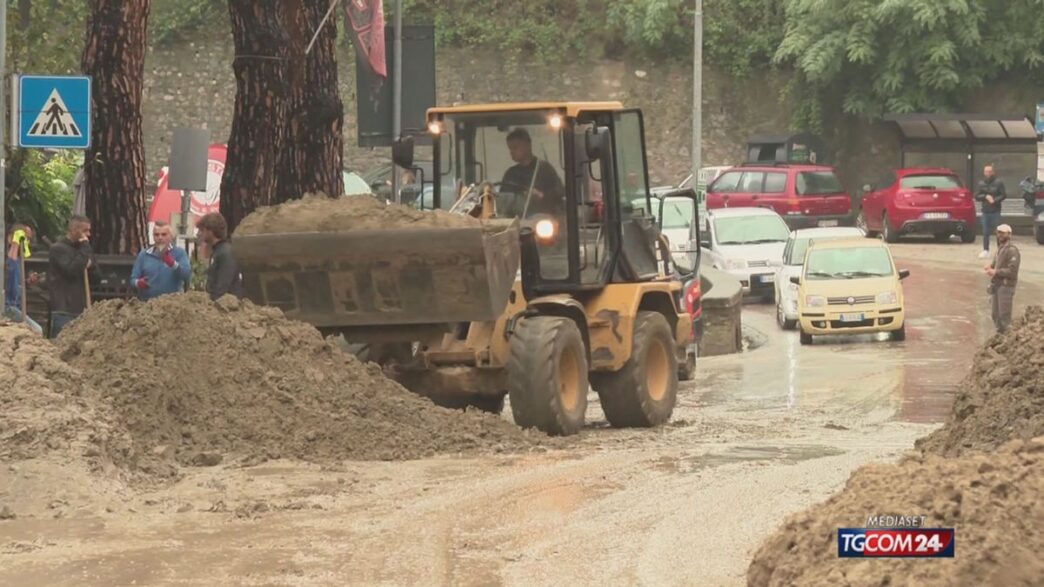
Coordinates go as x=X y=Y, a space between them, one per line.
x=756 y=437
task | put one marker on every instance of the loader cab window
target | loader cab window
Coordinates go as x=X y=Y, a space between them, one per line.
x=520 y=157
x=630 y=164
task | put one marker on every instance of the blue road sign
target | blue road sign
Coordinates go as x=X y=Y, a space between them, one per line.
x=54 y=111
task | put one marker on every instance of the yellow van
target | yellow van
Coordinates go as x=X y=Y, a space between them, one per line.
x=850 y=286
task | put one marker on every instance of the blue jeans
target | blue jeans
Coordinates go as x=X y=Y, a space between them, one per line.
x=16 y=315
x=990 y=222
x=59 y=320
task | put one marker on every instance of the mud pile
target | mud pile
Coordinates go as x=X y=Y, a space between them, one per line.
x=318 y=213
x=46 y=405
x=1003 y=396
x=993 y=501
x=199 y=383
x=58 y=447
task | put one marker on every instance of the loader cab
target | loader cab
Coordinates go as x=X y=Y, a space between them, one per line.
x=573 y=174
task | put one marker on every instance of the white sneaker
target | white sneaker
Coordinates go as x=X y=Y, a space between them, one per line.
x=984 y=255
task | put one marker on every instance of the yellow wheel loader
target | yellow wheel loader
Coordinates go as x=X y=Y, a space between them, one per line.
x=569 y=286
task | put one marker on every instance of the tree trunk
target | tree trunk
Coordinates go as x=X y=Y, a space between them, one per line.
x=114 y=165
x=313 y=159
x=259 y=118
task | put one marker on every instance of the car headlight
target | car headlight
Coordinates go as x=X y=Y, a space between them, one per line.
x=888 y=297
x=1040 y=216
x=793 y=287
x=815 y=301
x=735 y=264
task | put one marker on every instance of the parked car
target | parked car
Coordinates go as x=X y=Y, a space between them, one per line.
x=692 y=303
x=850 y=287
x=747 y=243
x=804 y=195
x=793 y=260
x=379 y=180
x=922 y=200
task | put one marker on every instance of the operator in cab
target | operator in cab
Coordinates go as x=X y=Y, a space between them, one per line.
x=528 y=172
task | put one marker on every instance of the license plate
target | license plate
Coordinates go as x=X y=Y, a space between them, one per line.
x=851 y=317
x=935 y=215
x=827 y=223
x=770 y=278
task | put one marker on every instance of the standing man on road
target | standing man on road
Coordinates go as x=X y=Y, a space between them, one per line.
x=990 y=193
x=162 y=268
x=17 y=251
x=223 y=275
x=69 y=259
x=1004 y=275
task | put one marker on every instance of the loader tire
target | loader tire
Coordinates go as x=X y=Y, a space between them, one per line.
x=643 y=393
x=547 y=375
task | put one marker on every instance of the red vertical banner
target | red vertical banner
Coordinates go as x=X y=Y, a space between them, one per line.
x=365 y=20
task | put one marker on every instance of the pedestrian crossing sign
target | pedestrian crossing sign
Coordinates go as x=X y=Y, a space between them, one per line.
x=54 y=111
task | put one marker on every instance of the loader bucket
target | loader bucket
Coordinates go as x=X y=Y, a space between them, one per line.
x=388 y=277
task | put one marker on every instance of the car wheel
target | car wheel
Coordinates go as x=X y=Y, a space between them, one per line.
x=887 y=231
x=968 y=236
x=781 y=319
x=861 y=224
x=899 y=335
x=806 y=338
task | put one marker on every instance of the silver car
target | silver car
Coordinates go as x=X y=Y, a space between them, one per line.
x=793 y=260
x=747 y=243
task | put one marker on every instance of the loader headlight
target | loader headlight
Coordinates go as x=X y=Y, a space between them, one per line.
x=435 y=127
x=555 y=121
x=545 y=231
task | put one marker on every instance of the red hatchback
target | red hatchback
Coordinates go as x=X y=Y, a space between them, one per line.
x=923 y=200
x=804 y=195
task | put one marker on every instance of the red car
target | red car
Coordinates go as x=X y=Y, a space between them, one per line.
x=925 y=200
x=804 y=195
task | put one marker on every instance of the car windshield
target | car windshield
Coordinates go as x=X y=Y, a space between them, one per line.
x=810 y=183
x=930 y=182
x=848 y=263
x=749 y=230
x=800 y=246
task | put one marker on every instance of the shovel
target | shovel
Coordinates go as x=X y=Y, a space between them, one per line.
x=21 y=277
x=87 y=287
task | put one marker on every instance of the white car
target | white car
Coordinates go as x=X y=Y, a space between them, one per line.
x=679 y=226
x=793 y=259
x=747 y=243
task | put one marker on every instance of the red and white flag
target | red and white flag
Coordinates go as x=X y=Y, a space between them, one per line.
x=366 y=22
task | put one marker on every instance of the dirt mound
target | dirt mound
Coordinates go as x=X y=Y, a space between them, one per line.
x=57 y=444
x=199 y=382
x=47 y=407
x=318 y=213
x=1003 y=397
x=992 y=500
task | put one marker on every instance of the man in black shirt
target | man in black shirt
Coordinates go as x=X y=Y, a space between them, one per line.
x=68 y=261
x=223 y=275
x=532 y=176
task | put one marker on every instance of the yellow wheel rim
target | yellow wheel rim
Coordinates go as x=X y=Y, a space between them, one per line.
x=657 y=366
x=569 y=379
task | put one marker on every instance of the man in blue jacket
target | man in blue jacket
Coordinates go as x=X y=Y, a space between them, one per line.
x=162 y=268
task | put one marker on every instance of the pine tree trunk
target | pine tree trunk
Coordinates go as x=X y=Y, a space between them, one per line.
x=259 y=118
x=114 y=167
x=313 y=159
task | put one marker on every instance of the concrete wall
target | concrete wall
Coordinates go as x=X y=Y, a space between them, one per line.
x=722 y=313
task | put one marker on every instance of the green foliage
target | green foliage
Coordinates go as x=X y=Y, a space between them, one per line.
x=44 y=196
x=173 y=20
x=51 y=40
x=874 y=56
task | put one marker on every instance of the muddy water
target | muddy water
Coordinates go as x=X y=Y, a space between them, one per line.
x=755 y=438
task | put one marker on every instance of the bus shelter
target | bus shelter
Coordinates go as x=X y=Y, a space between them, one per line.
x=966 y=143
